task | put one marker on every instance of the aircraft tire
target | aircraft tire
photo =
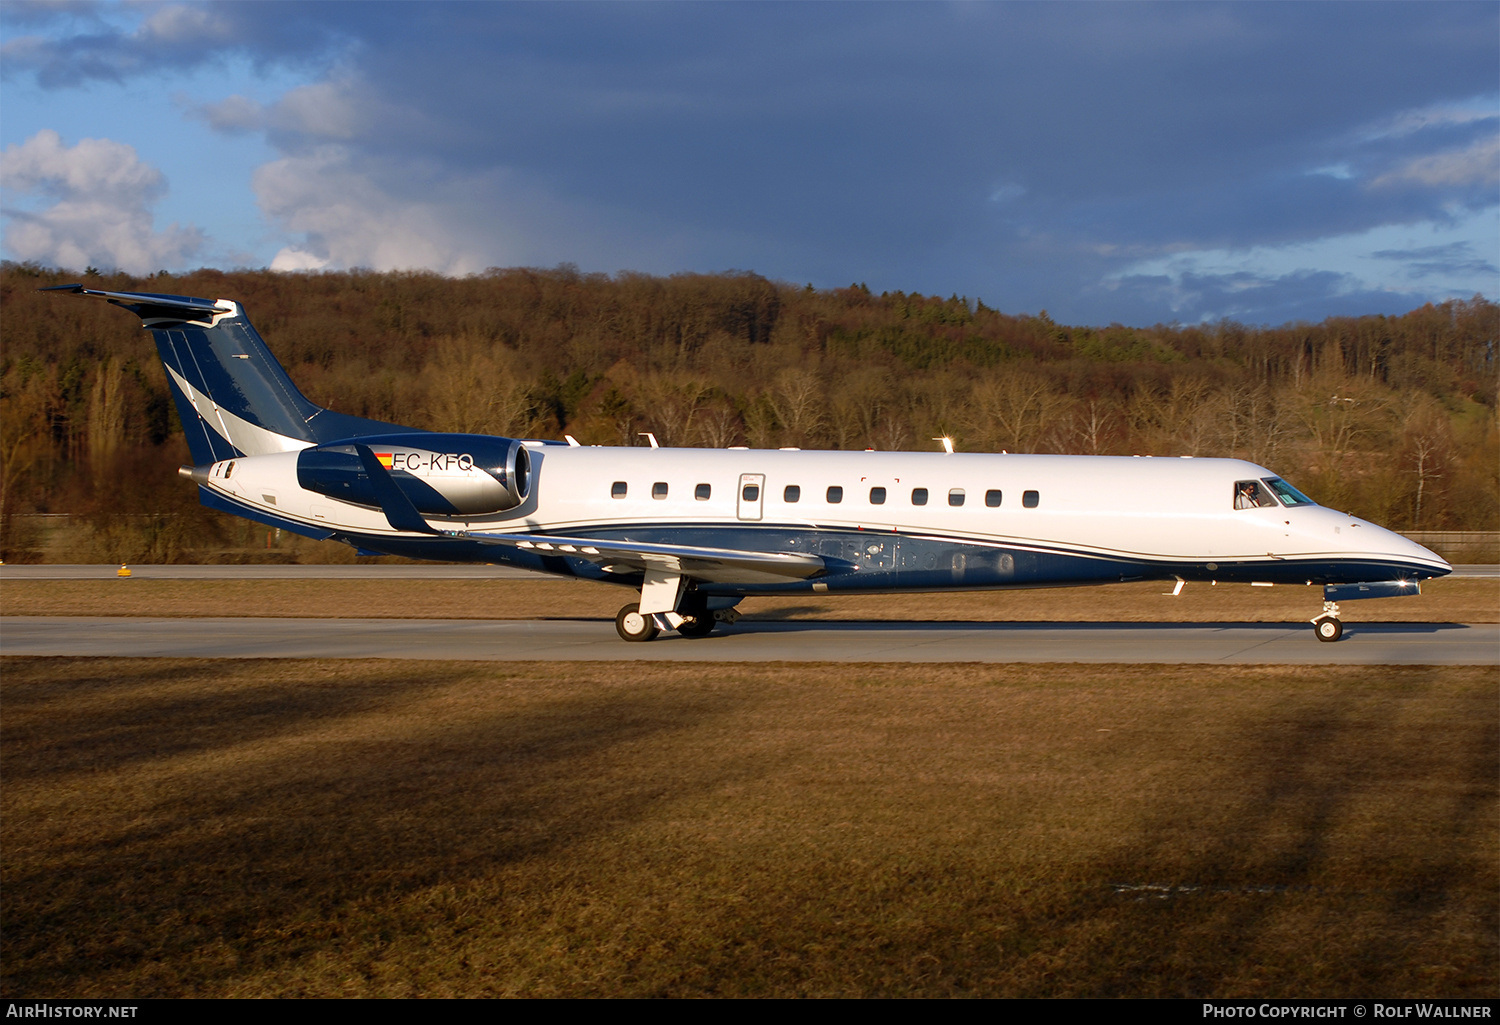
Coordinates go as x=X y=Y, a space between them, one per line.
x=1329 y=629
x=632 y=626
x=698 y=626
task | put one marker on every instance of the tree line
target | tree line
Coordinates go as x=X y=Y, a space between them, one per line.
x=1390 y=418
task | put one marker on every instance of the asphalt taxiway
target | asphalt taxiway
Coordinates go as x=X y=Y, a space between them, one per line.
x=751 y=641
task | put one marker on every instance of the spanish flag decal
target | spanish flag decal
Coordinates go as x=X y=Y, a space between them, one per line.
x=385 y=459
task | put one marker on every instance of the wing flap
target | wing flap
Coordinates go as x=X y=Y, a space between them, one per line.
x=713 y=565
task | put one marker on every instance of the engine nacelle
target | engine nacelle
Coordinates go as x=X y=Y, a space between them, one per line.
x=442 y=474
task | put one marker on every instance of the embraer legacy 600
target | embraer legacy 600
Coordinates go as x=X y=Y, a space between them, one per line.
x=698 y=530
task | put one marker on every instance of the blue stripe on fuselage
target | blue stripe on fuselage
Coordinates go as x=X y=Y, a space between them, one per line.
x=900 y=562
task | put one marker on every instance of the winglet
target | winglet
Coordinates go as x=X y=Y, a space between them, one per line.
x=399 y=511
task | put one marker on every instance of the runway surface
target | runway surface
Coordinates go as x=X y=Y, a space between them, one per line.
x=595 y=640
x=355 y=572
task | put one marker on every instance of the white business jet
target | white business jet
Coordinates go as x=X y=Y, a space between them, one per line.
x=695 y=531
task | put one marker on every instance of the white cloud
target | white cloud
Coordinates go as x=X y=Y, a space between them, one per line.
x=346 y=209
x=1009 y=192
x=325 y=110
x=338 y=111
x=350 y=221
x=291 y=259
x=114 y=42
x=232 y=114
x=101 y=215
x=1479 y=164
x=350 y=209
x=99 y=166
x=1443 y=115
x=199 y=26
x=1387 y=258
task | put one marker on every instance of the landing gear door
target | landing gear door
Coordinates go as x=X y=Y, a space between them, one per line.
x=752 y=495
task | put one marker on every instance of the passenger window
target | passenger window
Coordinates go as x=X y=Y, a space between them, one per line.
x=751 y=493
x=793 y=493
x=1249 y=494
x=835 y=495
x=1030 y=499
x=702 y=492
x=992 y=498
x=918 y=496
x=617 y=489
x=877 y=496
x=659 y=490
x=956 y=497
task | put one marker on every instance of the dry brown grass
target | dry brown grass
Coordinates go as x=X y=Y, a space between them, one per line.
x=327 y=828
x=1451 y=600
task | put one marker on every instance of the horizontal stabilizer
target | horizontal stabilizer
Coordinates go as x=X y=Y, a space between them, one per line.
x=154 y=306
x=713 y=565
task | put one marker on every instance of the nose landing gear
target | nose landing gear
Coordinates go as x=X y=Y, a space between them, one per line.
x=1327 y=625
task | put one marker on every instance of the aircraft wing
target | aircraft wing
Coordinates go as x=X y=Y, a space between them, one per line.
x=713 y=565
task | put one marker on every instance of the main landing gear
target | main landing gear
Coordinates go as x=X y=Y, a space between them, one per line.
x=670 y=601
x=1327 y=625
x=633 y=625
x=699 y=626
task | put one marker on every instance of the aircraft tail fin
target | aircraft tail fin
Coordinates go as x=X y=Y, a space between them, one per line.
x=234 y=398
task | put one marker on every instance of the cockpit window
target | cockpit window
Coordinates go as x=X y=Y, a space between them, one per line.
x=1251 y=494
x=1288 y=494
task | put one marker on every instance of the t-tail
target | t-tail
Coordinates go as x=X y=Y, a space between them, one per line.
x=234 y=398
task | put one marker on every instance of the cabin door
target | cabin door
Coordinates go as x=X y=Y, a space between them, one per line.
x=752 y=496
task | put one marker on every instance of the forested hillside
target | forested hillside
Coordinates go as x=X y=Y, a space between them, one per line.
x=1391 y=418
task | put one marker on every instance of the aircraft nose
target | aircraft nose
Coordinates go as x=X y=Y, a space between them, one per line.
x=1423 y=561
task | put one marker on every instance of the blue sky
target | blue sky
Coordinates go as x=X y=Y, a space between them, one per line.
x=1125 y=162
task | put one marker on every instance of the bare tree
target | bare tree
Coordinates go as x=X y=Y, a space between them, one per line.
x=1187 y=419
x=106 y=416
x=672 y=402
x=1426 y=440
x=1337 y=414
x=1087 y=428
x=719 y=425
x=1011 y=411
x=859 y=409
x=796 y=398
x=23 y=439
x=473 y=388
